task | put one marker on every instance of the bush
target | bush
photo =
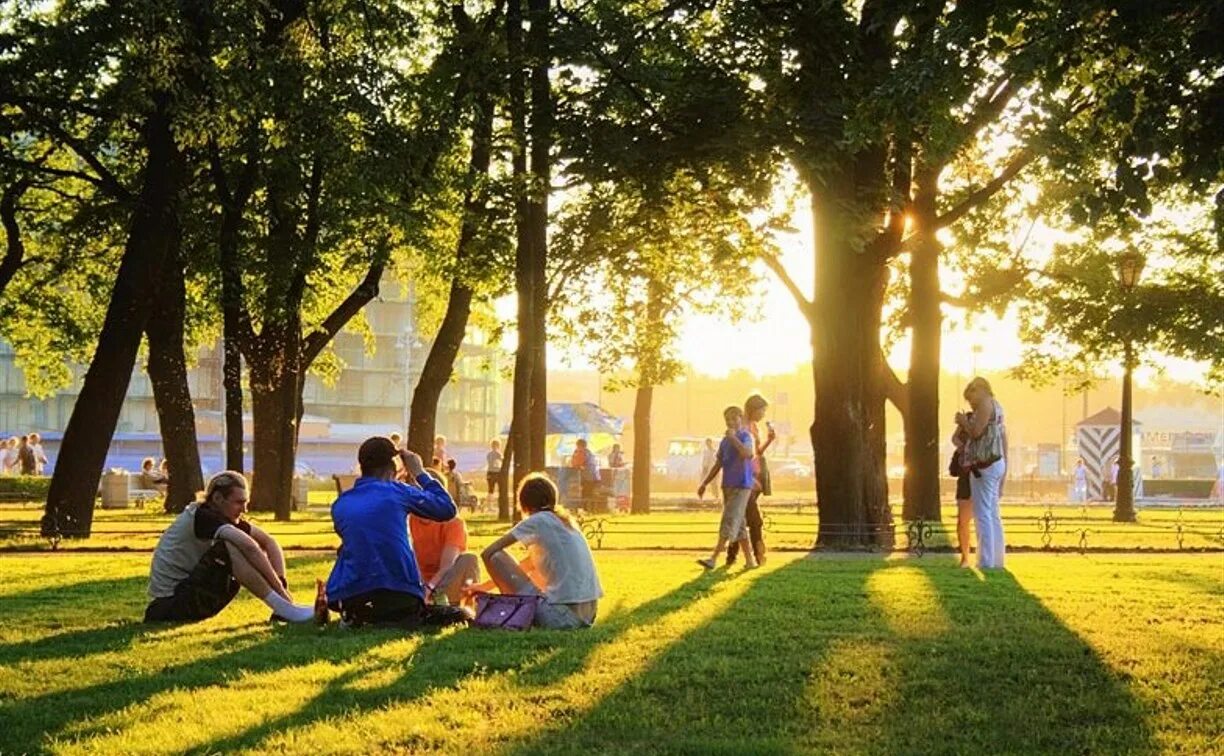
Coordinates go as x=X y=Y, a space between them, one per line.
x=31 y=487
x=1180 y=489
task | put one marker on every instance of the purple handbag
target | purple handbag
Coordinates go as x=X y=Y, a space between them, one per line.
x=505 y=611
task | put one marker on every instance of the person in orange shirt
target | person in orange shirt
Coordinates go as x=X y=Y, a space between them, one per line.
x=441 y=553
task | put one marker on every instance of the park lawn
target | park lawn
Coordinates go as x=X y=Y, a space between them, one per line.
x=786 y=528
x=859 y=654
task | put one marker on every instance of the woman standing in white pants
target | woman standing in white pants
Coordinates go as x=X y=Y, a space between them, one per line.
x=988 y=467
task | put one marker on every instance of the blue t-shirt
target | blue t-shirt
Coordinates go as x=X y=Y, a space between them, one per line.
x=371 y=519
x=736 y=471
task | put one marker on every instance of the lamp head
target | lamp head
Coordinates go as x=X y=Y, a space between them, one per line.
x=1130 y=265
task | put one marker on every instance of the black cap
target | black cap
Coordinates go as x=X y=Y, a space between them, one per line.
x=375 y=453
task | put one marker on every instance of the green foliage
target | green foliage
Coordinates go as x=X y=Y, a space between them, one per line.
x=30 y=487
x=640 y=261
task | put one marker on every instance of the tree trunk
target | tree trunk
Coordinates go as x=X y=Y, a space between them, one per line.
x=231 y=379
x=922 y=443
x=167 y=368
x=504 y=497
x=441 y=360
x=276 y=382
x=151 y=232
x=539 y=58
x=519 y=445
x=848 y=430
x=437 y=371
x=640 y=503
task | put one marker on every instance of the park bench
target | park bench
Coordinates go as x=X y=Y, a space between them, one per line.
x=344 y=482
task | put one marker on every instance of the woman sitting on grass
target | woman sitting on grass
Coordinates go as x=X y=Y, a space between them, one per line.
x=558 y=566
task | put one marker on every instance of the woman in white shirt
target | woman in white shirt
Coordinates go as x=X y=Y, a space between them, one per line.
x=559 y=565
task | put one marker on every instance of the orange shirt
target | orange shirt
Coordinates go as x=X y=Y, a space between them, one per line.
x=429 y=538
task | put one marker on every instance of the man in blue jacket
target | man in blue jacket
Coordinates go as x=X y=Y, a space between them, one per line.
x=375 y=578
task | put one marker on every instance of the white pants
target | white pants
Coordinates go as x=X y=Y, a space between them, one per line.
x=989 y=523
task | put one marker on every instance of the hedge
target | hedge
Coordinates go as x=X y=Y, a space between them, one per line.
x=32 y=487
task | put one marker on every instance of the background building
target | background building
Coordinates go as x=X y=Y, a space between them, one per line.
x=371 y=395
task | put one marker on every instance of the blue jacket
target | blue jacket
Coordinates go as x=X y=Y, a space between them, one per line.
x=375 y=551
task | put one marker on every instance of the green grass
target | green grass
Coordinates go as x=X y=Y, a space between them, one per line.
x=1107 y=654
x=786 y=528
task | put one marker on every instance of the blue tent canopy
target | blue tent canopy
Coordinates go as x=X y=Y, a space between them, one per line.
x=580 y=419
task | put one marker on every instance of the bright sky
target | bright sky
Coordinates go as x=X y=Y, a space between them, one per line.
x=778 y=339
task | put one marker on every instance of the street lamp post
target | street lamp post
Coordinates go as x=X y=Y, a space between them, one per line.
x=1130 y=265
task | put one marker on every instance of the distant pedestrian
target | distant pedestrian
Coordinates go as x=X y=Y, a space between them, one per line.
x=493 y=467
x=40 y=457
x=8 y=457
x=439 y=451
x=26 y=462
x=1157 y=469
x=616 y=458
x=1079 y=478
x=454 y=481
x=708 y=455
x=584 y=461
x=1111 y=480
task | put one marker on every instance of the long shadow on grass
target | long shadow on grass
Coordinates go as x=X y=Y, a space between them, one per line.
x=739 y=682
x=447 y=659
x=1004 y=676
x=29 y=721
x=808 y=658
x=50 y=606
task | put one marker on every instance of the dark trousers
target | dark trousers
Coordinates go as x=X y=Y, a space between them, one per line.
x=397 y=609
x=206 y=591
x=756 y=526
x=494 y=481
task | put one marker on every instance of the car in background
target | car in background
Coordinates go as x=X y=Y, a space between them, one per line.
x=790 y=468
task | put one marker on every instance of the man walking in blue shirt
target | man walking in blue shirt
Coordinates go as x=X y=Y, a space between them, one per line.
x=375 y=578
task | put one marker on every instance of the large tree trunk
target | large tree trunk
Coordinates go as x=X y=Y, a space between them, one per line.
x=441 y=360
x=167 y=370
x=848 y=429
x=276 y=381
x=922 y=443
x=231 y=380
x=151 y=232
x=640 y=503
x=231 y=312
x=539 y=58
x=519 y=445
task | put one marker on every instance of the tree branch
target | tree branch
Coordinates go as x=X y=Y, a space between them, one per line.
x=106 y=180
x=359 y=297
x=980 y=195
x=14 y=251
x=806 y=306
x=894 y=390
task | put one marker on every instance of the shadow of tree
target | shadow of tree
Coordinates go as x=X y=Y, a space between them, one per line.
x=968 y=682
x=716 y=685
x=1007 y=676
x=448 y=658
x=30 y=722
